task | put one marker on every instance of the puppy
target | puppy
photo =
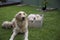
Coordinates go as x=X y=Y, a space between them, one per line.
x=34 y=17
x=20 y=24
x=38 y=17
x=6 y=25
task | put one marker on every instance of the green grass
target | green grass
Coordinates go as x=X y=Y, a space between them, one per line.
x=49 y=31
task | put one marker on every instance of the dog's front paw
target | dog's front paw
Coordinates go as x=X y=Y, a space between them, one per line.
x=25 y=39
x=10 y=39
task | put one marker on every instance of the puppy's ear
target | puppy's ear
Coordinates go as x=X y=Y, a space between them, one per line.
x=37 y=16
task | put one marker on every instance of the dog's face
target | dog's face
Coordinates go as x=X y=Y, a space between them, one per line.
x=21 y=16
x=32 y=17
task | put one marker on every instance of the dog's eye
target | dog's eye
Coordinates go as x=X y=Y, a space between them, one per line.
x=24 y=13
x=20 y=14
x=34 y=18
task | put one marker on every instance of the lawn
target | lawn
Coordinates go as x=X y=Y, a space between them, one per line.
x=49 y=31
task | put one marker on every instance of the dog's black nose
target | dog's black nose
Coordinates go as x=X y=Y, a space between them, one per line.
x=23 y=18
x=32 y=21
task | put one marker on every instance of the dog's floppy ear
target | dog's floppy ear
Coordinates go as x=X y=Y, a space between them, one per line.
x=16 y=16
x=26 y=14
x=37 y=15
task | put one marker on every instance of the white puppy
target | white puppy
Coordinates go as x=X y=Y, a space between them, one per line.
x=20 y=24
x=34 y=17
x=6 y=24
x=38 y=17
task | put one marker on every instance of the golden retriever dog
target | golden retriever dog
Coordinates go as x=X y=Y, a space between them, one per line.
x=20 y=24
